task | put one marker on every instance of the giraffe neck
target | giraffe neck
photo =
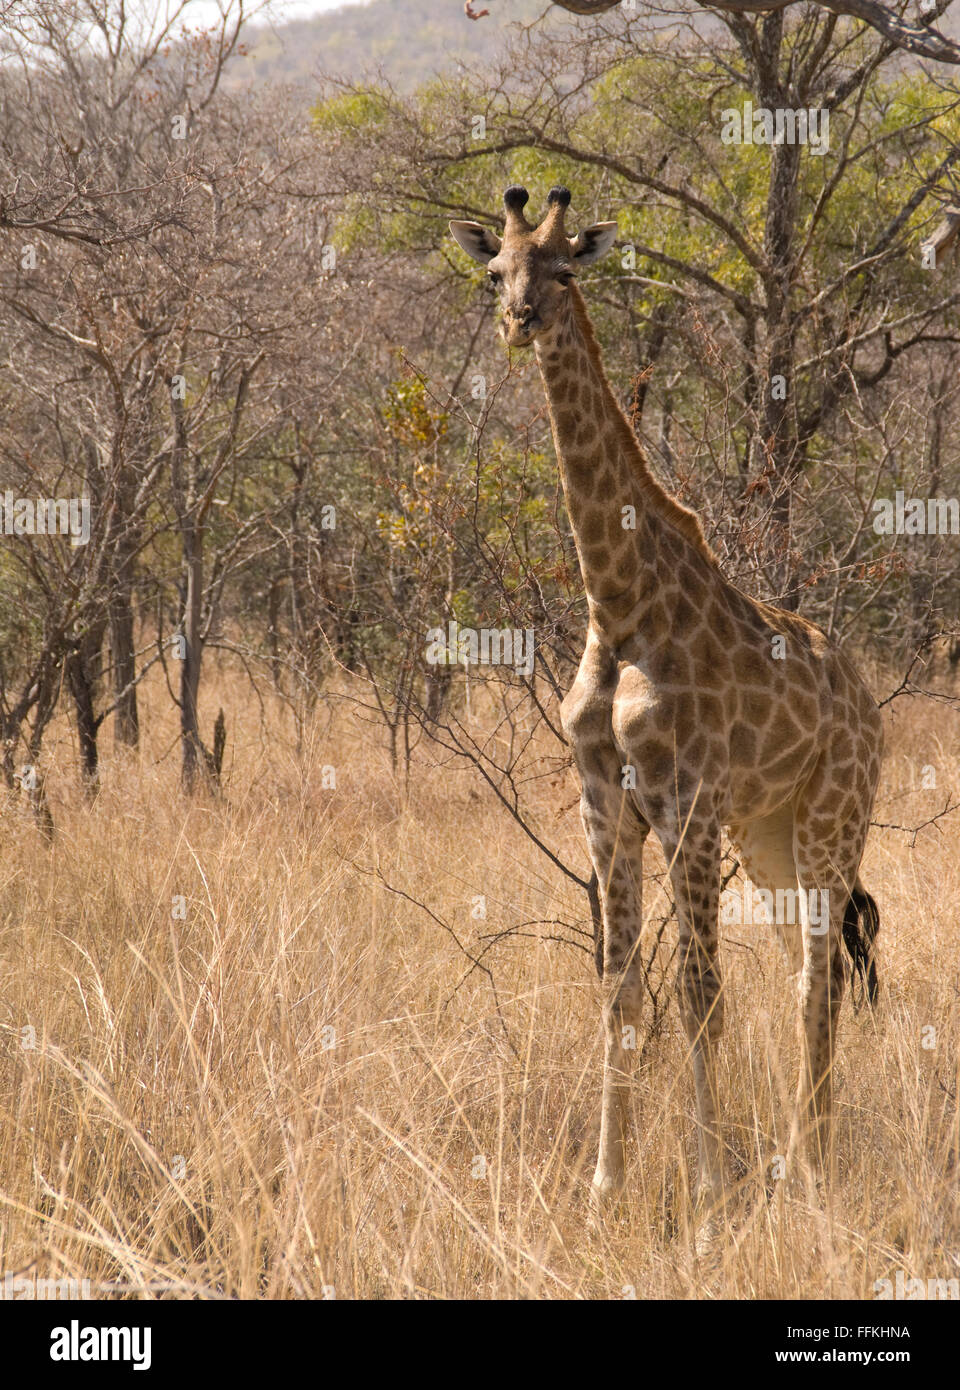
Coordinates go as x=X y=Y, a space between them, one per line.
x=604 y=475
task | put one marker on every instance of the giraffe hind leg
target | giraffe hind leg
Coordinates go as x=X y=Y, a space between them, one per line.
x=827 y=865
x=694 y=857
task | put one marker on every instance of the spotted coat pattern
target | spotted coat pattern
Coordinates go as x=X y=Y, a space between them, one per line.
x=733 y=715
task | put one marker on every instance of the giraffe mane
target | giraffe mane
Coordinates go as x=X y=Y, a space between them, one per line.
x=678 y=516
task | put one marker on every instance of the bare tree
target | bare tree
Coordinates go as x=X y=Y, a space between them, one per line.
x=922 y=40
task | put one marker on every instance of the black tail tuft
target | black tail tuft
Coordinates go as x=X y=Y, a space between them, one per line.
x=861 y=922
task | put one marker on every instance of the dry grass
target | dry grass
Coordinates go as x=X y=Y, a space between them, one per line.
x=295 y=1089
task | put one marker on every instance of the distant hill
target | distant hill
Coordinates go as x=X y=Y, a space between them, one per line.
x=410 y=40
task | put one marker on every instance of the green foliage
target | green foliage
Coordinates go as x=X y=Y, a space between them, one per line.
x=661 y=114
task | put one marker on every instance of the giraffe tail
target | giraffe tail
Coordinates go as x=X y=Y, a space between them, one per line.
x=861 y=922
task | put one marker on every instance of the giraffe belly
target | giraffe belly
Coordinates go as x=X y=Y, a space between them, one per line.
x=752 y=796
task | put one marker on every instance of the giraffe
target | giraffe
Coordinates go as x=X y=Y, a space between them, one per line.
x=729 y=714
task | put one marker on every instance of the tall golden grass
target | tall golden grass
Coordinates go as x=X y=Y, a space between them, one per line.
x=296 y=1087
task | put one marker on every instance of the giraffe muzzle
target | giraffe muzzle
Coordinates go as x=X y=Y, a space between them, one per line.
x=518 y=331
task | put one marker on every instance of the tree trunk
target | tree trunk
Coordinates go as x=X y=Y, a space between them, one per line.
x=123 y=658
x=81 y=675
x=778 y=417
x=190 y=743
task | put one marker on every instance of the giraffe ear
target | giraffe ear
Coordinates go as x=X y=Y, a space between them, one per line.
x=593 y=242
x=478 y=242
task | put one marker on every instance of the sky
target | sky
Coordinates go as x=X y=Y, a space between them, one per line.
x=298 y=9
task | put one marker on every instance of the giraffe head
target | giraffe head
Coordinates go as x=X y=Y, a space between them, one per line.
x=531 y=267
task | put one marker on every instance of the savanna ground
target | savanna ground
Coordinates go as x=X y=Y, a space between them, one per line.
x=234 y=1063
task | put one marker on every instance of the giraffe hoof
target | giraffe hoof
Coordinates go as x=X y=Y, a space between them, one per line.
x=709 y=1237
x=711 y=1206
x=605 y=1194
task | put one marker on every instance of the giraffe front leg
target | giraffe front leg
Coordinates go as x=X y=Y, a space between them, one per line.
x=615 y=835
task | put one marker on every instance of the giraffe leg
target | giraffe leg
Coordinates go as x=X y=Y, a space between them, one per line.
x=827 y=872
x=820 y=992
x=615 y=835
x=809 y=935
x=695 y=876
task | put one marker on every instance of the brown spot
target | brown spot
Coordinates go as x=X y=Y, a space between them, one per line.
x=616 y=531
x=723 y=627
x=743 y=743
x=821 y=828
x=592 y=528
x=656 y=761
x=580 y=475
x=709 y=710
x=752 y=666
x=675 y=667
x=693 y=585
x=684 y=709
x=684 y=613
x=755 y=706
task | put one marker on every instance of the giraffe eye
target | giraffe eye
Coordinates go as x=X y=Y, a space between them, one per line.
x=493 y=278
x=565 y=277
